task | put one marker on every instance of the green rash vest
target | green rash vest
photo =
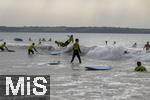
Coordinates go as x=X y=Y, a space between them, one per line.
x=76 y=46
x=71 y=40
x=140 y=69
x=31 y=47
x=2 y=46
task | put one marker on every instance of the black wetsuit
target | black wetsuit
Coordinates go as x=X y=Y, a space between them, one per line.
x=76 y=52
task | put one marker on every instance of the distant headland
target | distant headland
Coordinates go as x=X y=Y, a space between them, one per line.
x=63 y=29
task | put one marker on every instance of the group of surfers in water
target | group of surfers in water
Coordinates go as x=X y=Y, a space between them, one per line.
x=76 y=50
x=32 y=48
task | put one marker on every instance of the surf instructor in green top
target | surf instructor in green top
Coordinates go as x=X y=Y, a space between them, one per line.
x=76 y=51
x=31 y=49
x=2 y=46
x=139 y=67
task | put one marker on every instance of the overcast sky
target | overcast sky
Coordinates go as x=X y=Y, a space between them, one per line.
x=118 y=13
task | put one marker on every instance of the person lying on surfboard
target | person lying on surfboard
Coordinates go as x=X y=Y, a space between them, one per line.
x=139 y=67
x=31 y=49
x=76 y=51
x=3 y=46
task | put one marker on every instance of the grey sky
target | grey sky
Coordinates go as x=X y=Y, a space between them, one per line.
x=119 y=13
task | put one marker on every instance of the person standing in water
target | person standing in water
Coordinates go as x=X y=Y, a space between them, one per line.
x=76 y=51
x=43 y=39
x=147 y=46
x=40 y=41
x=30 y=39
x=3 y=46
x=31 y=49
x=50 y=39
x=139 y=67
x=134 y=45
x=106 y=42
x=114 y=43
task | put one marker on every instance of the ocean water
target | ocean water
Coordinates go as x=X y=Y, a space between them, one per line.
x=72 y=81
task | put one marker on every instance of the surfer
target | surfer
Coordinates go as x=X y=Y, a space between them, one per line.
x=60 y=44
x=43 y=39
x=139 y=67
x=40 y=39
x=125 y=52
x=31 y=49
x=106 y=42
x=134 y=45
x=50 y=39
x=147 y=46
x=40 y=43
x=30 y=39
x=76 y=51
x=2 y=46
x=114 y=43
x=65 y=44
x=71 y=39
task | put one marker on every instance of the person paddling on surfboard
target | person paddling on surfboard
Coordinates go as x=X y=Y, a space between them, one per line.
x=139 y=67
x=31 y=49
x=2 y=46
x=76 y=51
x=147 y=46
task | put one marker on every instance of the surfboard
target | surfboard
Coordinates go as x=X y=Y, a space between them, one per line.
x=18 y=39
x=11 y=50
x=98 y=67
x=54 y=63
x=56 y=52
x=8 y=51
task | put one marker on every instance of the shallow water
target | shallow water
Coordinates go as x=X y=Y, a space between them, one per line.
x=72 y=81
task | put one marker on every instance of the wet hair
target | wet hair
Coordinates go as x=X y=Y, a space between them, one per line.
x=138 y=63
x=77 y=40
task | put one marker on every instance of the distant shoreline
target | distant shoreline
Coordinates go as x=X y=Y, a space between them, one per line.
x=63 y=29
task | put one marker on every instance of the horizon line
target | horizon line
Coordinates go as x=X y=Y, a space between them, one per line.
x=74 y=26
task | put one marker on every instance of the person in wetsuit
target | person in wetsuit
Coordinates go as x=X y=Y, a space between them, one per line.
x=71 y=38
x=3 y=46
x=31 y=49
x=140 y=68
x=76 y=51
x=60 y=44
x=66 y=43
x=134 y=45
x=147 y=46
